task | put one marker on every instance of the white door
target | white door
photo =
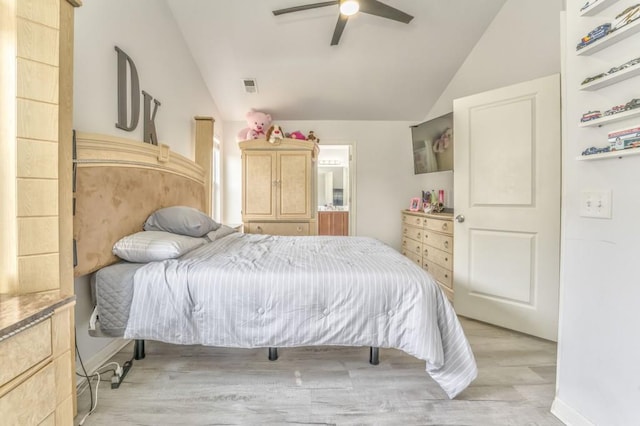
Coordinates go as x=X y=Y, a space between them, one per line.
x=507 y=206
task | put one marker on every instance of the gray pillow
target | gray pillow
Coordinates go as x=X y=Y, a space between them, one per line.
x=223 y=231
x=181 y=220
x=151 y=246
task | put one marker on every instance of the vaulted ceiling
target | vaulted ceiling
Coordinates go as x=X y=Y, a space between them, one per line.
x=380 y=70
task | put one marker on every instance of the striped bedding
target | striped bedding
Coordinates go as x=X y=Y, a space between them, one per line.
x=249 y=291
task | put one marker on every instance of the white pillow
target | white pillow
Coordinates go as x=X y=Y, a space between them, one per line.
x=181 y=220
x=151 y=246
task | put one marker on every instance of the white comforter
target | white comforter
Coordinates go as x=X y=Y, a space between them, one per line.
x=250 y=291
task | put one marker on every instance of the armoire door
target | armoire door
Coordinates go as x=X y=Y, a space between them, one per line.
x=259 y=185
x=294 y=185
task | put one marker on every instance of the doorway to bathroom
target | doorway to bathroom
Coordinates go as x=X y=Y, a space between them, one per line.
x=336 y=190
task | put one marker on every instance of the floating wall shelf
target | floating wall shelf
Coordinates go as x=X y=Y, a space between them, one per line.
x=611 y=154
x=608 y=80
x=611 y=118
x=610 y=39
x=597 y=7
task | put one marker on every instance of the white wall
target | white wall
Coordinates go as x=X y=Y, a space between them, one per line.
x=521 y=44
x=146 y=31
x=598 y=379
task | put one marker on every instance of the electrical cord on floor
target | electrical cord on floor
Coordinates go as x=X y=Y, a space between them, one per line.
x=86 y=376
x=117 y=372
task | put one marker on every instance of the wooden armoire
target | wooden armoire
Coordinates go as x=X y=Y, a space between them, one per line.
x=279 y=187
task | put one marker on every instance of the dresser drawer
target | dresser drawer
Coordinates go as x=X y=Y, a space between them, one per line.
x=439 y=257
x=32 y=401
x=442 y=275
x=412 y=232
x=409 y=219
x=280 y=228
x=440 y=241
x=439 y=225
x=413 y=256
x=412 y=245
x=22 y=351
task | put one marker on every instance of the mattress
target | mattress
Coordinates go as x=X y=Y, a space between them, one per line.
x=248 y=291
x=112 y=290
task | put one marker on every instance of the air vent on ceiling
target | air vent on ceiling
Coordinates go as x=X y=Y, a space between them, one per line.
x=250 y=85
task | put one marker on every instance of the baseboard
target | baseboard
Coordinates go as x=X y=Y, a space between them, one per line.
x=99 y=359
x=568 y=415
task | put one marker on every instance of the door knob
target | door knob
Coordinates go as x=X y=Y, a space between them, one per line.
x=460 y=218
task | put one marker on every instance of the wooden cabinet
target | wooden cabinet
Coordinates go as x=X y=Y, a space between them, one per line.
x=278 y=187
x=36 y=359
x=333 y=223
x=427 y=239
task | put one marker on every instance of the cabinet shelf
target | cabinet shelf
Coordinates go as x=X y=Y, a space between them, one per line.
x=612 y=118
x=608 y=40
x=612 y=79
x=597 y=7
x=610 y=154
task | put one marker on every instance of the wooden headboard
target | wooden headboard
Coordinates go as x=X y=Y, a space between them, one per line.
x=118 y=184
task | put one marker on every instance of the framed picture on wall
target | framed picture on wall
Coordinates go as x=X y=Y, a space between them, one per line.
x=414 y=205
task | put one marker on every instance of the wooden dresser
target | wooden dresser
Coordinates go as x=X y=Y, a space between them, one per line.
x=279 y=187
x=428 y=240
x=36 y=359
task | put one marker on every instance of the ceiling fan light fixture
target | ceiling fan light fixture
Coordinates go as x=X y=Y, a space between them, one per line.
x=349 y=7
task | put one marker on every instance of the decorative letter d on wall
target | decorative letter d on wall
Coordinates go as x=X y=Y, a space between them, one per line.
x=150 y=135
x=123 y=59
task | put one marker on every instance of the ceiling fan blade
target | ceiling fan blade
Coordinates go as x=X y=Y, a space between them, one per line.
x=305 y=7
x=374 y=7
x=337 y=33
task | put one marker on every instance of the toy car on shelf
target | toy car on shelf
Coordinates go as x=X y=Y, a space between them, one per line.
x=588 y=4
x=616 y=109
x=594 y=35
x=632 y=104
x=591 y=115
x=626 y=17
x=595 y=77
x=595 y=150
x=623 y=139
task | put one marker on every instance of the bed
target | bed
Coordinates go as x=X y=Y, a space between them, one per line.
x=248 y=291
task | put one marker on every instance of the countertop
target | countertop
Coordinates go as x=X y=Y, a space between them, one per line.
x=17 y=312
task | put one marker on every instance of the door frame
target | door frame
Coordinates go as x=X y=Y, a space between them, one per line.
x=352 y=180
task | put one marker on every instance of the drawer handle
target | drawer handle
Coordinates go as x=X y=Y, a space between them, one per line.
x=446 y=244
x=446 y=259
x=404 y=243
x=259 y=229
x=418 y=248
x=418 y=235
x=418 y=221
x=426 y=267
x=299 y=228
x=426 y=236
x=426 y=252
x=445 y=226
x=446 y=275
x=406 y=230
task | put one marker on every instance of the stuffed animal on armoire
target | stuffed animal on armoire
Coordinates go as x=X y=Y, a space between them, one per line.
x=274 y=134
x=258 y=123
x=297 y=135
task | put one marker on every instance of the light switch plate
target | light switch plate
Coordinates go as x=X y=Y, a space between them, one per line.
x=595 y=204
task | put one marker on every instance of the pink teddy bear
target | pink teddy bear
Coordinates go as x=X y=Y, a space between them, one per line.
x=258 y=123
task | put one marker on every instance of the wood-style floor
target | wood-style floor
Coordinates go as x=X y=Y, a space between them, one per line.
x=193 y=385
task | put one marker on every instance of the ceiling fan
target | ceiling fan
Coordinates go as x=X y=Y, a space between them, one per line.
x=349 y=8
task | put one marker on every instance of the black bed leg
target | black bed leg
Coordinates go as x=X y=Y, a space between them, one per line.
x=273 y=354
x=138 y=349
x=374 y=356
